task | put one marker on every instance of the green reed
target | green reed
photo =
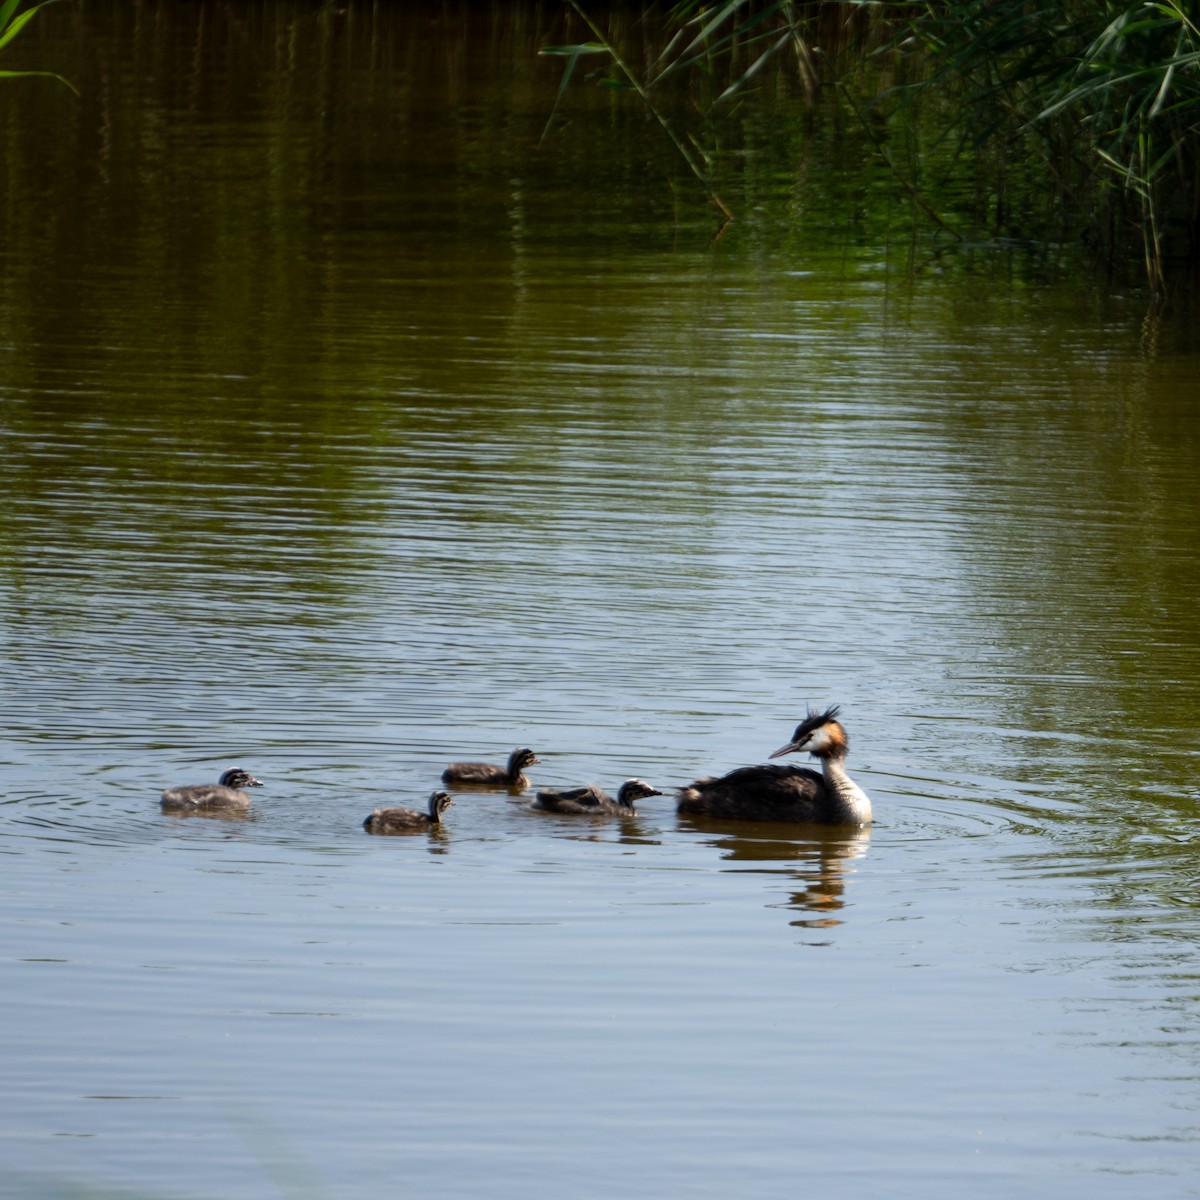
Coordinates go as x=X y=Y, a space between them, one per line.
x=11 y=24
x=1071 y=118
x=1107 y=94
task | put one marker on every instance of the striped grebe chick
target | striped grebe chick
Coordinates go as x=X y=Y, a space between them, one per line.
x=408 y=820
x=225 y=796
x=592 y=802
x=487 y=775
x=781 y=792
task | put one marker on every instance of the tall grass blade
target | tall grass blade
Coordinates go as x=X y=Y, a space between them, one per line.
x=572 y=54
x=754 y=68
x=18 y=23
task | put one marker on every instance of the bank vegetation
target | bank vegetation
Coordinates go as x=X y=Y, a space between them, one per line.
x=1070 y=118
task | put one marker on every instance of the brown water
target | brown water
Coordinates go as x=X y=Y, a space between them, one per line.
x=345 y=431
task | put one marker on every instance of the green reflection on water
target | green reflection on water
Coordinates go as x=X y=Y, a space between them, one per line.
x=295 y=296
x=342 y=425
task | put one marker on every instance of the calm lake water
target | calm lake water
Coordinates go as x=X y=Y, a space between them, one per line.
x=345 y=432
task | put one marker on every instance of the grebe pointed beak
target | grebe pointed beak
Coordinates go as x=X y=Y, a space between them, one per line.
x=252 y=782
x=790 y=748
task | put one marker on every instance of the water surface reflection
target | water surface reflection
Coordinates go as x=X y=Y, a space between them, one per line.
x=345 y=442
x=816 y=862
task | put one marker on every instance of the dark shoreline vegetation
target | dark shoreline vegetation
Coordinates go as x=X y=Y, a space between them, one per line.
x=1059 y=131
x=1059 y=120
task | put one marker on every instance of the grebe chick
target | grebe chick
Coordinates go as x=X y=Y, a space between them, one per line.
x=592 y=802
x=225 y=796
x=783 y=792
x=408 y=820
x=484 y=774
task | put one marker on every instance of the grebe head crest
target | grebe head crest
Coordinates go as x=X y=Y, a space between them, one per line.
x=821 y=734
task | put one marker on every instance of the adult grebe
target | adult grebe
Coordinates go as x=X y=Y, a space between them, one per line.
x=592 y=802
x=224 y=796
x=788 y=793
x=408 y=820
x=484 y=774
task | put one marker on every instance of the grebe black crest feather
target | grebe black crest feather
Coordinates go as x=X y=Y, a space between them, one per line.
x=815 y=720
x=821 y=734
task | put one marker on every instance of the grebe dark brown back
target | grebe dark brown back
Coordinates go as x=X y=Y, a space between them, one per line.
x=781 y=792
x=225 y=796
x=487 y=775
x=408 y=820
x=592 y=802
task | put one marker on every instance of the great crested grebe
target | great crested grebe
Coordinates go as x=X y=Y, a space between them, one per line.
x=408 y=820
x=783 y=792
x=485 y=774
x=592 y=802
x=224 y=796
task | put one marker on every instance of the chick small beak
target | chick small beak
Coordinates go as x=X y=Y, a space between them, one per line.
x=252 y=782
